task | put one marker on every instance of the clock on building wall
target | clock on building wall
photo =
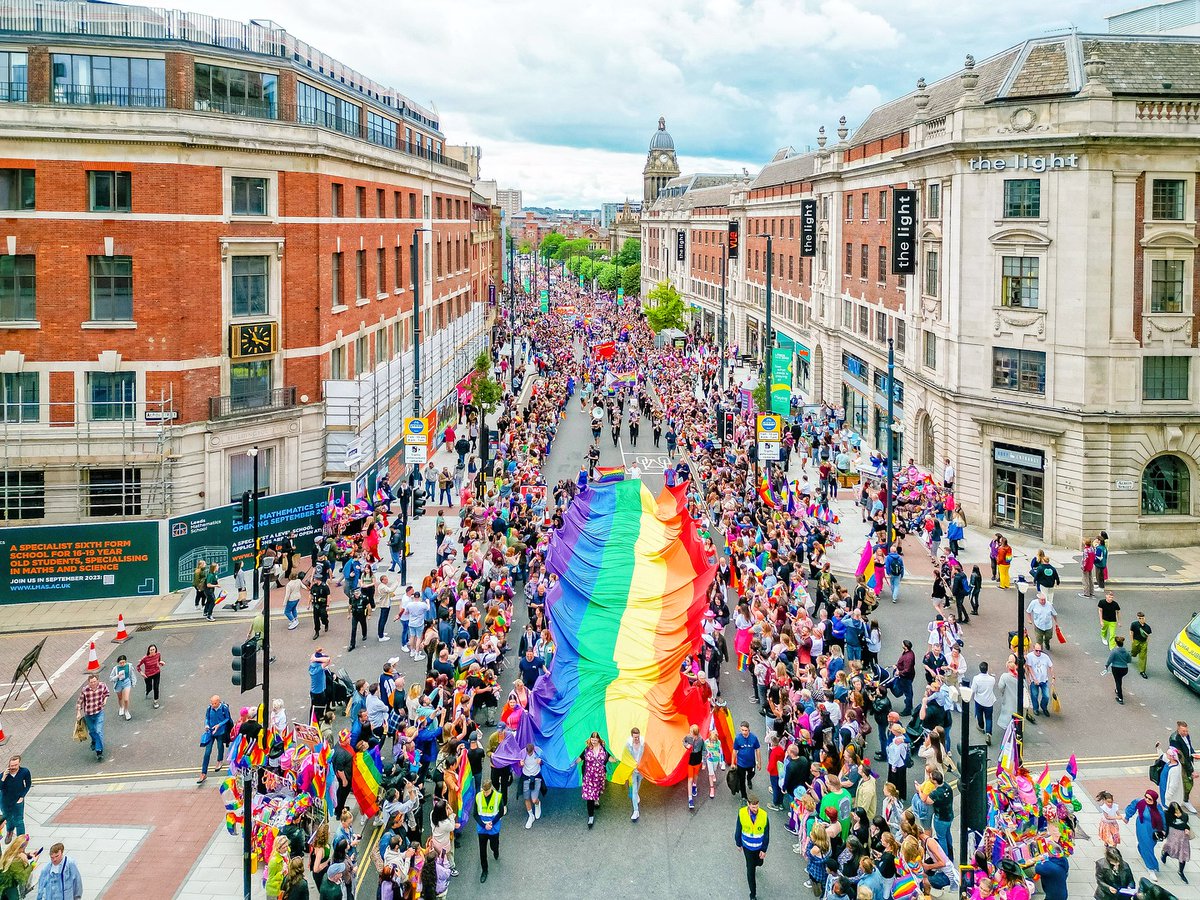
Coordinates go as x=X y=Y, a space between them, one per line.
x=256 y=339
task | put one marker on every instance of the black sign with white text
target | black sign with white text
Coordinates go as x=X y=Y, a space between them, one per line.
x=808 y=227
x=904 y=231
x=680 y=246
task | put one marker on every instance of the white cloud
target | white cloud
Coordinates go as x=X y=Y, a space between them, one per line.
x=535 y=85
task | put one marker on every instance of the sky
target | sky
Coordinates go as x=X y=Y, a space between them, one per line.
x=563 y=100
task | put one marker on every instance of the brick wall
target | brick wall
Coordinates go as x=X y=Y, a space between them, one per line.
x=39 y=74
x=181 y=80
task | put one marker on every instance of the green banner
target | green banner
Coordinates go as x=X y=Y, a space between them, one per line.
x=219 y=535
x=581 y=282
x=525 y=283
x=79 y=562
x=781 y=380
x=544 y=300
x=620 y=296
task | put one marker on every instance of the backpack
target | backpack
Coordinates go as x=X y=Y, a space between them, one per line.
x=731 y=780
x=893 y=567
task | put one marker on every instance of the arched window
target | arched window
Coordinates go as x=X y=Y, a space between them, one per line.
x=1166 y=487
x=927 y=451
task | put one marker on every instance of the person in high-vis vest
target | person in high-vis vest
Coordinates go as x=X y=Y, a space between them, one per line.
x=752 y=833
x=488 y=812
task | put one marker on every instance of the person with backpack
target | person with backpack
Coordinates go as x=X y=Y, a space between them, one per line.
x=396 y=546
x=893 y=565
x=1045 y=576
x=1101 y=561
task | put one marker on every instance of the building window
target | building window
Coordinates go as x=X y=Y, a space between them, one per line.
x=18 y=289
x=380 y=204
x=336 y=280
x=381 y=346
x=317 y=107
x=933 y=201
x=864 y=261
x=241 y=473
x=864 y=318
x=881 y=276
x=16 y=189
x=110 y=191
x=360 y=201
x=335 y=199
x=926 y=454
x=23 y=493
x=847 y=314
x=398 y=266
x=1166 y=285
x=14 y=77
x=112 y=288
x=1167 y=198
x=1166 y=487
x=337 y=363
x=1019 y=281
x=250 y=285
x=249 y=196
x=849 y=207
x=108 y=81
x=360 y=274
x=111 y=396
x=361 y=362
x=412 y=206
x=866 y=206
x=250 y=384
x=901 y=335
x=1165 y=377
x=1019 y=370
x=881 y=326
x=381 y=130
x=19 y=396
x=380 y=271
x=931 y=272
x=1022 y=198
x=114 y=492
x=238 y=92
x=930 y=342
x=882 y=205
x=849 y=260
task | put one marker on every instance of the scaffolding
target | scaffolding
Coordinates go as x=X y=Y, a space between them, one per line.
x=65 y=465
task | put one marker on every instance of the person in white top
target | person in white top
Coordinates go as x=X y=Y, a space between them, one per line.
x=635 y=747
x=1040 y=669
x=635 y=472
x=948 y=475
x=531 y=783
x=984 y=687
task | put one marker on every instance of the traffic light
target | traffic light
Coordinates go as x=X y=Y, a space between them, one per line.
x=407 y=536
x=418 y=501
x=245 y=665
x=245 y=507
x=729 y=425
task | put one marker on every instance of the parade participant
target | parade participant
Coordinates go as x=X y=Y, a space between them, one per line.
x=636 y=748
x=594 y=759
x=1149 y=821
x=61 y=881
x=752 y=834
x=488 y=815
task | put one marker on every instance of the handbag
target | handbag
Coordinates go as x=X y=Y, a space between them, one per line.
x=206 y=737
x=731 y=780
x=1156 y=769
x=1062 y=638
x=1055 y=704
x=81 y=732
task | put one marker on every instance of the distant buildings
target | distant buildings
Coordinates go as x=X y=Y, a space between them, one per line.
x=509 y=200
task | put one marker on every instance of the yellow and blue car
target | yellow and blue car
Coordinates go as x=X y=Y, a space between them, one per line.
x=1183 y=656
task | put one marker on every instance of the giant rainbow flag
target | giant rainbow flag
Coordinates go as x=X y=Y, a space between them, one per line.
x=626 y=612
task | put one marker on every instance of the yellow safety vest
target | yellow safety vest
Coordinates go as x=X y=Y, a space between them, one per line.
x=752 y=829
x=488 y=808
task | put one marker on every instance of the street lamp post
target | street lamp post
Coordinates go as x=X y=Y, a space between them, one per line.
x=512 y=318
x=965 y=692
x=1022 y=586
x=721 y=333
x=891 y=438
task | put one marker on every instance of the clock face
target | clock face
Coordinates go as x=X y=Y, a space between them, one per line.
x=254 y=340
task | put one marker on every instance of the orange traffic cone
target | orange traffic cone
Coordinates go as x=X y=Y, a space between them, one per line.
x=3 y=736
x=122 y=634
x=93 y=660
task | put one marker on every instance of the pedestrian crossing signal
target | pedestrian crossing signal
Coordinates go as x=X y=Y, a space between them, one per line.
x=245 y=666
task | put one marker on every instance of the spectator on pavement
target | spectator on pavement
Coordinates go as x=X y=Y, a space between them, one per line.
x=61 y=879
x=15 y=782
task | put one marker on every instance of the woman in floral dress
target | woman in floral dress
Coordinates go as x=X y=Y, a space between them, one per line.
x=595 y=758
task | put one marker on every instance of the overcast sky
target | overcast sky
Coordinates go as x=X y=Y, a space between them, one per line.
x=563 y=98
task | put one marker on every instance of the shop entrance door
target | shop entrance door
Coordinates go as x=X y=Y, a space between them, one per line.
x=1018 y=500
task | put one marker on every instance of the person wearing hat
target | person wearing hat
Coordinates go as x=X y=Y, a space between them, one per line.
x=752 y=835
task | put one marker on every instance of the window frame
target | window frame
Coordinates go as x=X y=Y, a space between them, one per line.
x=929 y=349
x=22 y=187
x=1156 y=301
x=1183 y=505
x=123 y=385
x=109 y=296
x=1165 y=380
x=1020 y=281
x=244 y=182
x=931 y=283
x=15 y=279
x=16 y=501
x=1154 y=206
x=236 y=278
x=933 y=200
x=1019 y=201
x=20 y=398
x=118 y=497
x=114 y=177
x=1019 y=370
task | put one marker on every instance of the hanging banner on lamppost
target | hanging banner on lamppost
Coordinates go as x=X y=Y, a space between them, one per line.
x=904 y=231
x=808 y=227
x=544 y=300
x=781 y=380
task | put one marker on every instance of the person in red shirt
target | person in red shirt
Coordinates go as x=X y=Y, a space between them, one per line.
x=775 y=756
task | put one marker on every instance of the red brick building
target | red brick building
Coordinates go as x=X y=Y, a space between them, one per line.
x=208 y=249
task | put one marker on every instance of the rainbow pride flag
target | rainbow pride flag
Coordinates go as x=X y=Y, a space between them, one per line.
x=626 y=612
x=466 y=781
x=609 y=474
x=364 y=783
x=723 y=725
x=766 y=494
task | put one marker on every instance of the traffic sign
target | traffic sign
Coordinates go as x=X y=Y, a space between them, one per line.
x=769 y=451
x=416 y=454
x=770 y=428
x=415 y=431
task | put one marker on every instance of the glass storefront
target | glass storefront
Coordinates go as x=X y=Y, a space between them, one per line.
x=1018 y=488
x=856 y=406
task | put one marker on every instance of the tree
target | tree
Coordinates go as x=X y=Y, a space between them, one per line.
x=631 y=252
x=575 y=247
x=607 y=276
x=664 y=308
x=631 y=280
x=486 y=394
x=759 y=394
x=550 y=244
x=524 y=248
x=587 y=268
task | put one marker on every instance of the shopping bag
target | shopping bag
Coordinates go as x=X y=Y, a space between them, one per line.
x=1062 y=638
x=81 y=732
x=1055 y=705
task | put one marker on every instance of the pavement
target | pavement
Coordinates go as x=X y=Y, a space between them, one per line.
x=117 y=817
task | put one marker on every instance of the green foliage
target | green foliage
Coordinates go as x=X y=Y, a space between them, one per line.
x=664 y=308
x=761 y=400
x=607 y=276
x=486 y=392
x=550 y=244
x=631 y=280
x=631 y=252
x=567 y=249
x=587 y=268
x=524 y=248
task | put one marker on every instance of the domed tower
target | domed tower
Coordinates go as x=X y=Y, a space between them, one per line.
x=661 y=164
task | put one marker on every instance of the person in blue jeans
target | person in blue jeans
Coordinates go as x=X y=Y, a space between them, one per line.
x=90 y=708
x=893 y=567
x=1040 y=669
x=217 y=725
x=15 y=782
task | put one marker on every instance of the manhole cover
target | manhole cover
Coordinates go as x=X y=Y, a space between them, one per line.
x=1157 y=568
